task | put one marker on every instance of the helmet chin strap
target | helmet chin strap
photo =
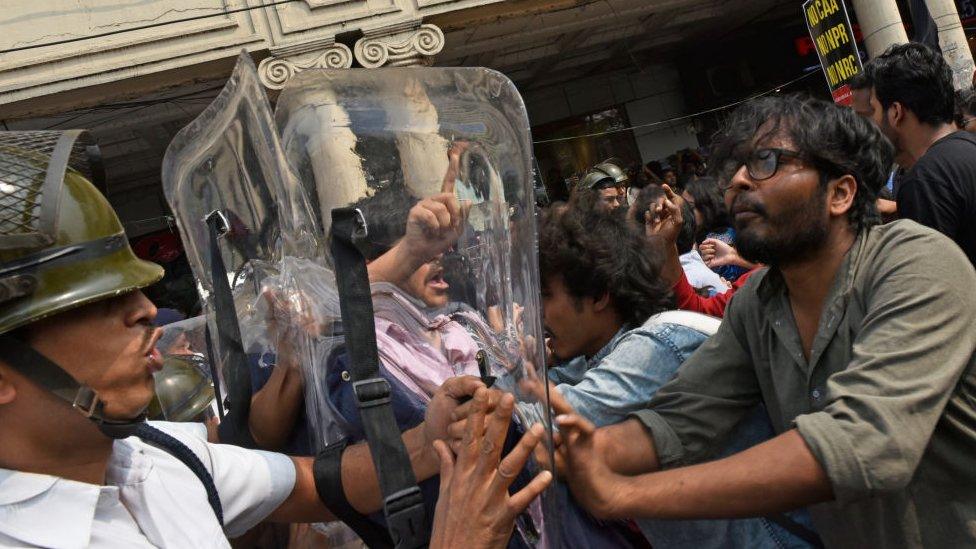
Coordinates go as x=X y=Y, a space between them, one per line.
x=46 y=373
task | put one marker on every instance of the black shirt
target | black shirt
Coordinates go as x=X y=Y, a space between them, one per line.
x=940 y=190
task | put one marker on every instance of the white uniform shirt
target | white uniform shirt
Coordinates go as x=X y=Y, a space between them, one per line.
x=151 y=499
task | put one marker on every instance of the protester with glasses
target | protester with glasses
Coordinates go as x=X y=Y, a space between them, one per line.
x=858 y=337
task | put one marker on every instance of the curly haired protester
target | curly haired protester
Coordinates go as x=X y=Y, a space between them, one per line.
x=607 y=313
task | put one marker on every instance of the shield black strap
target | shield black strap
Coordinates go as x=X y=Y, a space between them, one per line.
x=230 y=350
x=214 y=374
x=403 y=503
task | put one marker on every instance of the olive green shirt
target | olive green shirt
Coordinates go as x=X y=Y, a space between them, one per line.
x=886 y=403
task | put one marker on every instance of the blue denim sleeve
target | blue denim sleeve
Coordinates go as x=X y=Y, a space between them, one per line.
x=569 y=372
x=626 y=379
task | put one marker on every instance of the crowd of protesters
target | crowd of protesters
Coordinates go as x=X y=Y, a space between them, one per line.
x=850 y=339
x=741 y=353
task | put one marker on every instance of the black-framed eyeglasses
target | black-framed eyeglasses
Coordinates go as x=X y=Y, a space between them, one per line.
x=761 y=164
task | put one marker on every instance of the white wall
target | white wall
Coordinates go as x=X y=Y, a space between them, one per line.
x=649 y=96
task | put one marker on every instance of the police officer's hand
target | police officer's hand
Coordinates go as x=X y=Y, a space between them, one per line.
x=474 y=509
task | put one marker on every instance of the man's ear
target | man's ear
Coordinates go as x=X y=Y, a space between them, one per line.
x=599 y=305
x=840 y=195
x=895 y=113
x=7 y=390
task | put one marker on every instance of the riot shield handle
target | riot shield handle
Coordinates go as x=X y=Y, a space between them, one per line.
x=217 y=222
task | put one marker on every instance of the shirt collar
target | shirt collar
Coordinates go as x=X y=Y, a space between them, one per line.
x=595 y=360
x=48 y=511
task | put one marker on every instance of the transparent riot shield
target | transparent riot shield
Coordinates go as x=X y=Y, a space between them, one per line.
x=252 y=243
x=254 y=201
x=387 y=142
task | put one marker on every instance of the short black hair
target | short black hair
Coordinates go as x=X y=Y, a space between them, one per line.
x=647 y=196
x=711 y=204
x=386 y=213
x=861 y=81
x=684 y=180
x=655 y=167
x=596 y=254
x=835 y=139
x=916 y=76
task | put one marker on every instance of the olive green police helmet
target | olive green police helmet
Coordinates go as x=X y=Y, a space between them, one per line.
x=604 y=174
x=61 y=244
x=183 y=389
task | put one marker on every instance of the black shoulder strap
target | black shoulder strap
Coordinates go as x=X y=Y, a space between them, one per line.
x=403 y=503
x=230 y=350
x=180 y=451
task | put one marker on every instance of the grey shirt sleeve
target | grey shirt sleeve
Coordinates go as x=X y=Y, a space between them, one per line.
x=915 y=342
x=711 y=392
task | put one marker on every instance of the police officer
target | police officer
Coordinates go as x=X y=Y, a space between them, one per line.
x=80 y=466
x=608 y=183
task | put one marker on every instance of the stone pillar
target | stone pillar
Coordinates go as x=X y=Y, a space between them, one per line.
x=333 y=154
x=423 y=153
x=881 y=24
x=284 y=62
x=337 y=169
x=952 y=39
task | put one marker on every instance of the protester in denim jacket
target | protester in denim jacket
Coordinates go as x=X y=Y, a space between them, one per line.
x=600 y=285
